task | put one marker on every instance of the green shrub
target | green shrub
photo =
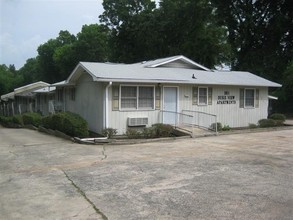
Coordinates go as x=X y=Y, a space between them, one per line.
x=265 y=123
x=162 y=130
x=74 y=125
x=57 y=121
x=149 y=132
x=278 y=117
x=17 y=119
x=6 y=121
x=109 y=132
x=67 y=122
x=47 y=121
x=11 y=121
x=252 y=126
x=218 y=125
x=133 y=133
x=32 y=118
x=226 y=128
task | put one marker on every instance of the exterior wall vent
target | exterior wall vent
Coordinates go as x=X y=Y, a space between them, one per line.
x=132 y=122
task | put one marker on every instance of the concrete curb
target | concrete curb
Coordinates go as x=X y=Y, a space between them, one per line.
x=168 y=139
x=256 y=130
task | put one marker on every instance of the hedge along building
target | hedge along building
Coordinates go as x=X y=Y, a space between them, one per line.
x=173 y=90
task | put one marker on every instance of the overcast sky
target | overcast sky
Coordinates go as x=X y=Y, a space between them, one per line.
x=25 y=24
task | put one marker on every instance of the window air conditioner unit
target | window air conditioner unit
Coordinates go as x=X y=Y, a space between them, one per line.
x=132 y=122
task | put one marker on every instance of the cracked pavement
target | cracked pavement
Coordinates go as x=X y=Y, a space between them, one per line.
x=241 y=176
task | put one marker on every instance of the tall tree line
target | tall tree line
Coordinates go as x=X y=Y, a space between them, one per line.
x=249 y=35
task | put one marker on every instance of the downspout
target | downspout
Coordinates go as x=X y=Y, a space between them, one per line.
x=107 y=104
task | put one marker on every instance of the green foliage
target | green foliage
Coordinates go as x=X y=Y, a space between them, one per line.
x=9 y=79
x=252 y=126
x=260 y=35
x=11 y=121
x=32 y=118
x=109 y=132
x=6 y=121
x=118 y=12
x=278 y=117
x=162 y=130
x=132 y=133
x=67 y=122
x=30 y=72
x=47 y=122
x=17 y=119
x=141 y=32
x=218 y=126
x=226 y=128
x=156 y=131
x=149 y=132
x=265 y=123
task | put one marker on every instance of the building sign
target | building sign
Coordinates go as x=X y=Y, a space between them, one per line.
x=226 y=98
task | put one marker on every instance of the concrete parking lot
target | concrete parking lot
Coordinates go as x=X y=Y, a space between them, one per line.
x=241 y=176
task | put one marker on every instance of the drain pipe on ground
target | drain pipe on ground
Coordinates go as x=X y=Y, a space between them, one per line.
x=107 y=104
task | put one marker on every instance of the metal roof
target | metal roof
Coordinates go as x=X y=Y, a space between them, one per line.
x=157 y=72
x=45 y=89
x=30 y=87
x=24 y=90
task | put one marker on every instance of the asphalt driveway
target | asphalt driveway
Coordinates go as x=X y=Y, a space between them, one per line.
x=242 y=176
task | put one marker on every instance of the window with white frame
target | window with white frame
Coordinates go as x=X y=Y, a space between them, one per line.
x=137 y=97
x=249 y=97
x=202 y=96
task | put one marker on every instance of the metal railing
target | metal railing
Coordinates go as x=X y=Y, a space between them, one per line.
x=177 y=119
x=203 y=119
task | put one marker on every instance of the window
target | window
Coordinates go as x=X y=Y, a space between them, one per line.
x=128 y=97
x=137 y=97
x=249 y=98
x=202 y=96
x=146 y=98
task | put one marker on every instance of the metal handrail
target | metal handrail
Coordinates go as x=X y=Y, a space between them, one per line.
x=181 y=122
x=199 y=112
x=198 y=119
x=178 y=113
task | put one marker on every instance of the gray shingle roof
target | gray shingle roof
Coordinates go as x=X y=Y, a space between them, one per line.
x=141 y=72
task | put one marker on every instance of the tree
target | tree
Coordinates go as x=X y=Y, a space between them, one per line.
x=30 y=72
x=261 y=37
x=178 y=27
x=118 y=12
x=260 y=34
x=92 y=43
x=46 y=52
x=191 y=28
x=9 y=79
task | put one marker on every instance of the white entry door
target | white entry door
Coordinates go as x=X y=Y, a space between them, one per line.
x=170 y=105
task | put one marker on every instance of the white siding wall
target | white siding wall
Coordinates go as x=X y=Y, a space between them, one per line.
x=118 y=119
x=227 y=114
x=88 y=102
